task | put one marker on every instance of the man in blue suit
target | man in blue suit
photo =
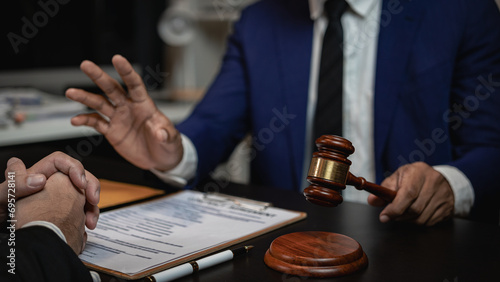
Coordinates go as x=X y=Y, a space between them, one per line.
x=429 y=122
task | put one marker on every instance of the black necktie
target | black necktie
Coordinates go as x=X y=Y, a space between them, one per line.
x=328 y=115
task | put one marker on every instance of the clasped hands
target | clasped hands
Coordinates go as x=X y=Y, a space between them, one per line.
x=57 y=189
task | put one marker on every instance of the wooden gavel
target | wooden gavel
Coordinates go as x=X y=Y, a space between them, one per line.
x=329 y=174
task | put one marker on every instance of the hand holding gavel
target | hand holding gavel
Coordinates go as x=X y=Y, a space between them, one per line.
x=329 y=174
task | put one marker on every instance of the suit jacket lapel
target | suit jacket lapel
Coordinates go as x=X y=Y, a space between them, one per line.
x=397 y=34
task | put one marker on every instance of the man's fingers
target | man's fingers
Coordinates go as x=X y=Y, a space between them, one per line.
x=134 y=83
x=94 y=101
x=421 y=206
x=390 y=183
x=92 y=194
x=440 y=205
x=25 y=184
x=442 y=213
x=106 y=83
x=408 y=187
x=15 y=165
x=424 y=196
x=91 y=215
x=376 y=201
x=425 y=216
x=93 y=189
x=71 y=167
x=59 y=161
x=398 y=207
x=93 y=120
x=82 y=179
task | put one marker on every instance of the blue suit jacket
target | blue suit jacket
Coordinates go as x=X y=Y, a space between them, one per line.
x=437 y=92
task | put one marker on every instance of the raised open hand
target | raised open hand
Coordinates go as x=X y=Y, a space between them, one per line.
x=129 y=120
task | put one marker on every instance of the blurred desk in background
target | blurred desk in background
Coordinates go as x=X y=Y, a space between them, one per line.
x=54 y=129
x=33 y=140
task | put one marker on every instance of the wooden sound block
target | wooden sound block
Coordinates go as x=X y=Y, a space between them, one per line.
x=316 y=254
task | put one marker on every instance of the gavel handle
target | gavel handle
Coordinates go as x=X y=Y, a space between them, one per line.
x=377 y=190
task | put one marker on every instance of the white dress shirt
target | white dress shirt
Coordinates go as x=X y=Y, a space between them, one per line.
x=360 y=24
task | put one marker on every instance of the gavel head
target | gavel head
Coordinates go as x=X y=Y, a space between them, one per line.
x=328 y=171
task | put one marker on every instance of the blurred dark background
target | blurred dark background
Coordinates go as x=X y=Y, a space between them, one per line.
x=60 y=34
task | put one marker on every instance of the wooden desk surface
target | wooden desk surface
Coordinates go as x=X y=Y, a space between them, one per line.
x=458 y=250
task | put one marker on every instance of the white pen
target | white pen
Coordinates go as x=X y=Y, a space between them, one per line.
x=197 y=265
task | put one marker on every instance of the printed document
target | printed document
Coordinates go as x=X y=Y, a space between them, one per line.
x=172 y=230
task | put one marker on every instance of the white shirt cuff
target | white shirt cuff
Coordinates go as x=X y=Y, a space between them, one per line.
x=185 y=170
x=48 y=225
x=461 y=186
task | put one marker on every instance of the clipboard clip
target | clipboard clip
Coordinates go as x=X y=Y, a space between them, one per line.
x=216 y=197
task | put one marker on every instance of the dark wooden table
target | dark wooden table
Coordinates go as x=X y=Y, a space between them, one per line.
x=458 y=250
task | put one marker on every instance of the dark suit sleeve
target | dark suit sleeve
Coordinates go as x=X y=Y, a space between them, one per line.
x=220 y=121
x=40 y=255
x=475 y=127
